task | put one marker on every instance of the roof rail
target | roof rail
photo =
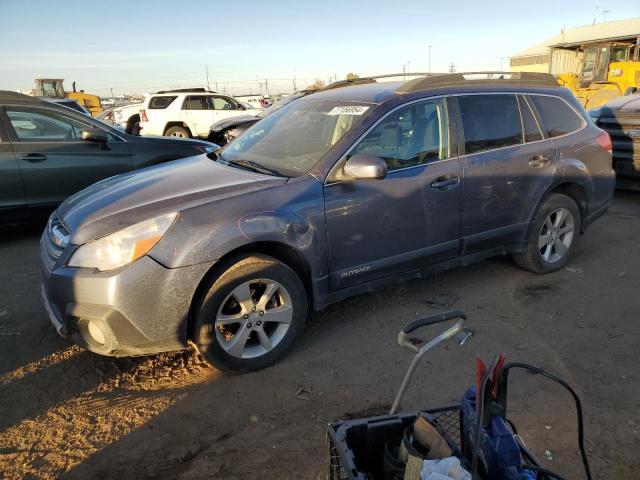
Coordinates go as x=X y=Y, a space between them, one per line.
x=436 y=80
x=370 y=79
x=187 y=90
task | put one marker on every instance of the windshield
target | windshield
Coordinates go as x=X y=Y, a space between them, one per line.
x=293 y=139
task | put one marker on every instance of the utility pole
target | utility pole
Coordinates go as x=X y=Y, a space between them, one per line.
x=206 y=69
x=408 y=67
x=266 y=86
x=452 y=68
x=111 y=92
x=403 y=72
x=294 y=81
x=429 y=59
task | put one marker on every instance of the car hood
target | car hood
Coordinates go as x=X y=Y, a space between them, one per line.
x=123 y=200
x=629 y=104
x=171 y=141
x=233 y=122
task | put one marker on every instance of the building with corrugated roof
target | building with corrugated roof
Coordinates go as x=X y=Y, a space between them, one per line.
x=558 y=53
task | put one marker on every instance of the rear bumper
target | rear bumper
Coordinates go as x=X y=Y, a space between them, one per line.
x=139 y=309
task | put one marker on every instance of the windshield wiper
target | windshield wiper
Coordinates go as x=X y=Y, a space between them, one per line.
x=256 y=167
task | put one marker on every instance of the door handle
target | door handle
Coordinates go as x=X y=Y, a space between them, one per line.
x=34 y=157
x=441 y=183
x=538 y=161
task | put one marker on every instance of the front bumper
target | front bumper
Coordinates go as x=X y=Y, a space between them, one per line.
x=138 y=309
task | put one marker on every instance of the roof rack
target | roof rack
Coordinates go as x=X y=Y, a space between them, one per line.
x=188 y=90
x=436 y=80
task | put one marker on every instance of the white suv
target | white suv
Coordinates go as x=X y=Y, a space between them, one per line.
x=180 y=113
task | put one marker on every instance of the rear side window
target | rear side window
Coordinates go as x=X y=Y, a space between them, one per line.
x=197 y=102
x=158 y=103
x=490 y=121
x=558 y=118
x=532 y=132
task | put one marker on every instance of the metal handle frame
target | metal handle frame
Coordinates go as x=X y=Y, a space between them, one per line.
x=458 y=330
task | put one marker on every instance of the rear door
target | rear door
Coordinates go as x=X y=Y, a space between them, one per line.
x=409 y=218
x=53 y=159
x=508 y=165
x=197 y=112
x=11 y=191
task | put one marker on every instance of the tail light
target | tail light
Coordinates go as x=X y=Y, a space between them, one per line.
x=143 y=115
x=604 y=140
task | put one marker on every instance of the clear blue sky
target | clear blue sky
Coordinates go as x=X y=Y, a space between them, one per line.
x=136 y=46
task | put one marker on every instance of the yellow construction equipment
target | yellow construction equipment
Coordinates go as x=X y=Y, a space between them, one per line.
x=53 y=87
x=598 y=72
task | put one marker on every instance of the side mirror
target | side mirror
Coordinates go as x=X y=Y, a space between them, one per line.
x=363 y=166
x=94 y=135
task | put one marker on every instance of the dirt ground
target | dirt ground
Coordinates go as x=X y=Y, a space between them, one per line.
x=68 y=413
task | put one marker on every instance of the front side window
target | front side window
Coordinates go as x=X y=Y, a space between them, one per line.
x=557 y=117
x=221 y=103
x=42 y=126
x=293 y=139
x=197 y=102
x=412 y=135
x=490 y=122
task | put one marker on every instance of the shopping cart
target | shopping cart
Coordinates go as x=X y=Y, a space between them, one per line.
x=357 y=447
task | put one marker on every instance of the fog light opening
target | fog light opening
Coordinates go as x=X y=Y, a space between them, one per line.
x=95 y=332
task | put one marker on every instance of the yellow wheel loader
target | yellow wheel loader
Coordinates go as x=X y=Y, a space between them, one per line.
x=598 y=72
x=53 y=88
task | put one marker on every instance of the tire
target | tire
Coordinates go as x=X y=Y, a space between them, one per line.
x=180 y=132
x=600 y=98
x=231 y=333
x=551 y=239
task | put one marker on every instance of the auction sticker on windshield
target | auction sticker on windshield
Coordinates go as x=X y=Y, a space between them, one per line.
x=348 y=110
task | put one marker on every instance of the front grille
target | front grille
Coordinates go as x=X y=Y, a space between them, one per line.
x=54 y=240
x=625 y=139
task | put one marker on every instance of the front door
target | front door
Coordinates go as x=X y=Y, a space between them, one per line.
x=54 y=161
x=507 y=167
x=410 y=218
x=197 y=112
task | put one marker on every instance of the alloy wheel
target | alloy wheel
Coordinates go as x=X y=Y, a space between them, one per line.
x=254 y=318
x=556 y=235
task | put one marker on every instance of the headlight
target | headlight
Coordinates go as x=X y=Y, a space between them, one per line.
x=122 y=247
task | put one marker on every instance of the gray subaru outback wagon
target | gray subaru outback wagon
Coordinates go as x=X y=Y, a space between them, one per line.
x=338 y=193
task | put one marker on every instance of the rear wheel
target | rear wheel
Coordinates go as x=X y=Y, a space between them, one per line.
x=180 y=132
x=552 y=236
x=250 y=315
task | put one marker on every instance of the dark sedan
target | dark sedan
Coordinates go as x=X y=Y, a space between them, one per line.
x=621 y=119
x=48 y=152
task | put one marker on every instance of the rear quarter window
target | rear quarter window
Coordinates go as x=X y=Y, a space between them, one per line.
x=557 y=117
x=159 y=103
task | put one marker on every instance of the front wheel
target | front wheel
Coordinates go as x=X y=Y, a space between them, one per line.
x=552 y=236
x=250 y=315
